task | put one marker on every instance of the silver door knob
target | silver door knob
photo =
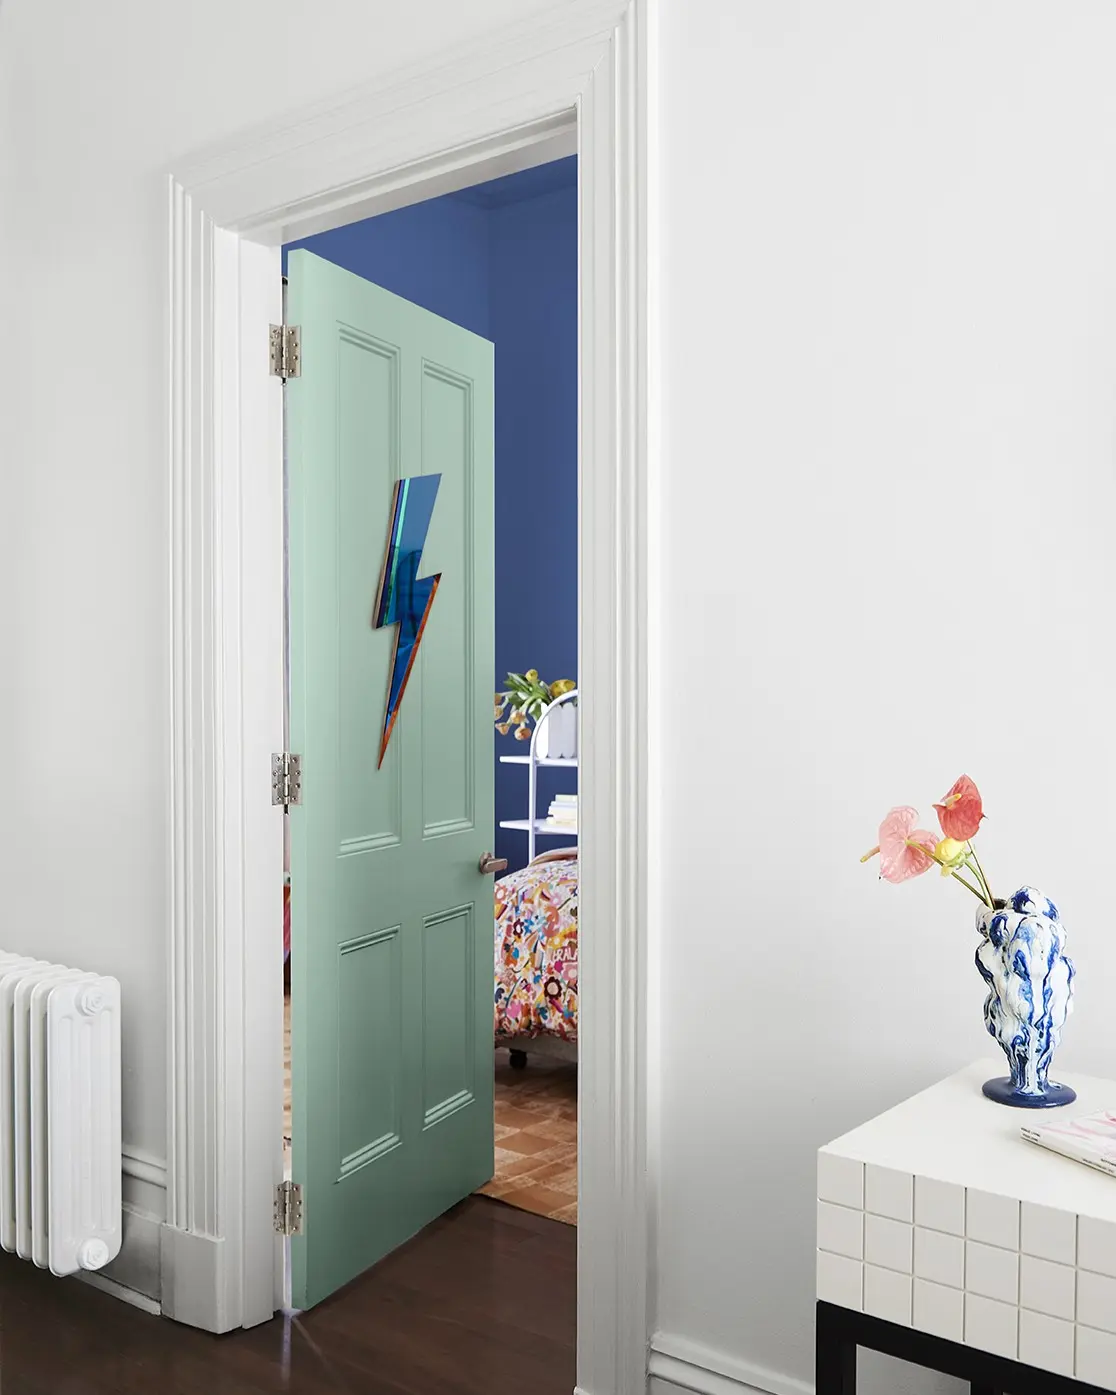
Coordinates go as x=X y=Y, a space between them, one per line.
x=488 y=864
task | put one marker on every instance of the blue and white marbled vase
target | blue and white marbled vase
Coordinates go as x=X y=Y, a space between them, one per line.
x=1030 y=993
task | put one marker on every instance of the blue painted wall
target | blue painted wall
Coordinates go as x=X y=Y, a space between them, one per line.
x=435 y=254
x=501 y=260
x=534 y=324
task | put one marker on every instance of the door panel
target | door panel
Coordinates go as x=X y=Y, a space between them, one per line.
x=448 y=1020
x=370 y=1047
x=368 y=455
x=449 y=645
x=391 y=921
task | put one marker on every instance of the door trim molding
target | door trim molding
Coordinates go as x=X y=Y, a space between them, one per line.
x=468 y=117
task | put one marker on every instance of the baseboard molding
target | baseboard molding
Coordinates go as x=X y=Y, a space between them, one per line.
x=144 y=1167
x=161 y=1269
x=678 y=1364
x=128 y=1295
x=193 y=1272
x=135 y=1275
x=136 y=1267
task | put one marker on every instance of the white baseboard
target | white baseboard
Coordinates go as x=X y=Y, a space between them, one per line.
x=677 y=1364
x=670 y=1376
x=159 y=1268
x=192 y=1280
x=144 y=1167
x=117 y=1290
x=137 y=1266
x=134 y=1275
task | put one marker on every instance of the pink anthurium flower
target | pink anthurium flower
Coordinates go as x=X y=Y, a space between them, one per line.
x=905 y=851
x=961 y=810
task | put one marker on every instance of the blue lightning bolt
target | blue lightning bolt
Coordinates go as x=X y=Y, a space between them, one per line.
x=404 y=598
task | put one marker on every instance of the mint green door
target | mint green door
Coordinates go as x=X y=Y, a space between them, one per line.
x=391 y=918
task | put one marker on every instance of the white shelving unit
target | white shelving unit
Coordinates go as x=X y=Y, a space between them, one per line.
x=532 y=825
x=563 y=762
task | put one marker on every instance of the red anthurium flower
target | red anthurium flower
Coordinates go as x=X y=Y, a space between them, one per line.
x=898 y=859
x=961 y=810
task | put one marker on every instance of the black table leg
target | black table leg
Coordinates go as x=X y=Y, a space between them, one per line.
x=835 y=1355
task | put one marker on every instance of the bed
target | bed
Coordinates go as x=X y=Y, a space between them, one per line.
x=536 y=959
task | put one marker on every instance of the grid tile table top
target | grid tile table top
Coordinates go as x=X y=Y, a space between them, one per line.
x=938 y=1216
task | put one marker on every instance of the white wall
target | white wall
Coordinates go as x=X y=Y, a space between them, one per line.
x=888 y=385
x=97 y=102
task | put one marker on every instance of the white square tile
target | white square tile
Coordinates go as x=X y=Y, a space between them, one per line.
x=888 y=1243
x=1049 y=1233
x=889 y=1193
x=1096 y=1246
x=1046 y=1287
x=1096 y=1358
x=841 y=1281
x=939 y=1310
x=991 y=1272
x=840 y=1230
x=939 y=1257
x=1096 y=1301
x=991 y=1326
x=992 y=1219
x=840 y=1180
x=1046 y=1342
x=887 y=1295
x=940 y=1205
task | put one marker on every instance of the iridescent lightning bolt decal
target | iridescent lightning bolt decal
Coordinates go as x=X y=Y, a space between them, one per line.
x=404 y=599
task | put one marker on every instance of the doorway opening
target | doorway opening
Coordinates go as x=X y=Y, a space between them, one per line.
x=577 y=83
x=498 y=260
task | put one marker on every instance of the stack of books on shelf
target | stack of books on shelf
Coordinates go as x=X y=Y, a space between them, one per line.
x=563 y=812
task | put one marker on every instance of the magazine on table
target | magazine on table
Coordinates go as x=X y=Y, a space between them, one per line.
x=1088 y=1139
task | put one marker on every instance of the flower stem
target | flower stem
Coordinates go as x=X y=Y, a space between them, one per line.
x=974 y=868
x=980 y=873
x=980 y=895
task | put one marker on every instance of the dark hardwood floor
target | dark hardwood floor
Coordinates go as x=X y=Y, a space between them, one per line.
x=482 y=1300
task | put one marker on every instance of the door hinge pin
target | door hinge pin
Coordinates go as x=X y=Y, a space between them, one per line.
x=286 y=779
x=284 y=345
x=288 y=1208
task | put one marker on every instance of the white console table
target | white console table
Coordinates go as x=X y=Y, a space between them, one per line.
x=946 y=1240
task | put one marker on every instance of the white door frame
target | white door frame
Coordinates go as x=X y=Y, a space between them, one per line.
x=581 y=69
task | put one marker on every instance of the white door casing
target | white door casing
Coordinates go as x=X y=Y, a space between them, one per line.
x=581 y=71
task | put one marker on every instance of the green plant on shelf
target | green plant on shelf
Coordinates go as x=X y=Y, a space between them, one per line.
x=525 y=698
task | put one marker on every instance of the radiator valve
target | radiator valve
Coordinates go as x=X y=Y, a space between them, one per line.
x=93 y=1254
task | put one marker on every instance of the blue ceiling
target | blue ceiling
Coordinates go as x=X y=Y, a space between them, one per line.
x=527 y=184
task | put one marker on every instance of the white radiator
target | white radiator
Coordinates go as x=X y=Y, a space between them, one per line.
x=59 y=1115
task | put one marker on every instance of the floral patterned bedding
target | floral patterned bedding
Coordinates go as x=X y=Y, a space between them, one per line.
x=536 y=952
